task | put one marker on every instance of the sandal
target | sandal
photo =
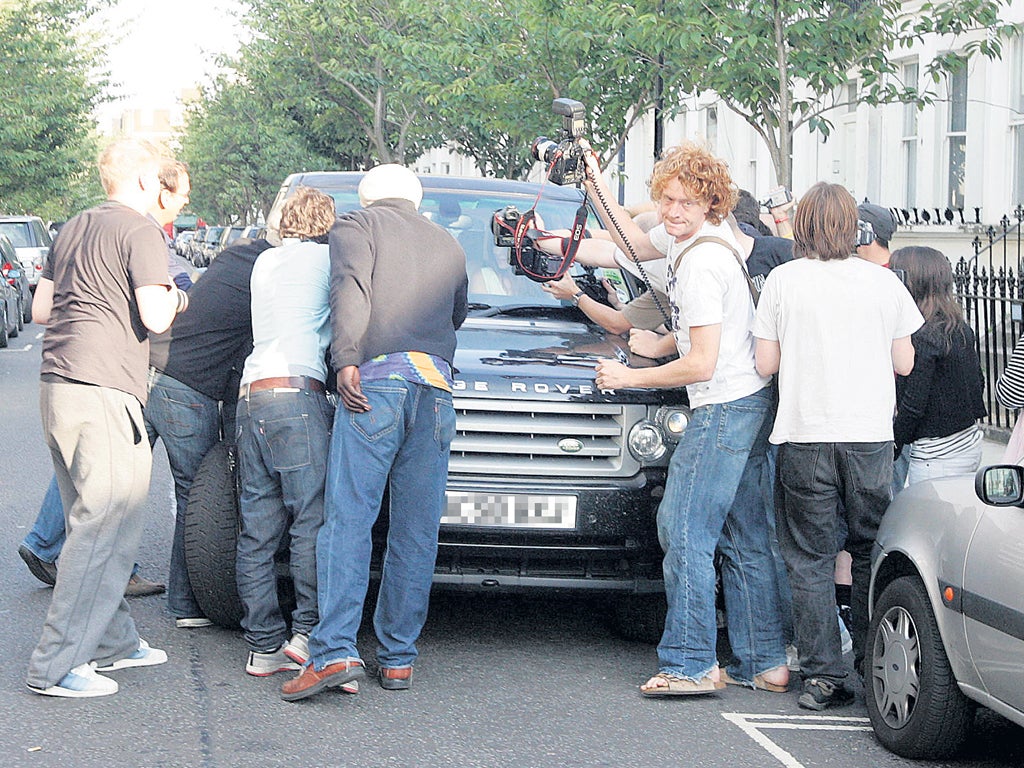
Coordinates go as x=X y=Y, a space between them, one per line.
x=680 y=686
x=759 y=683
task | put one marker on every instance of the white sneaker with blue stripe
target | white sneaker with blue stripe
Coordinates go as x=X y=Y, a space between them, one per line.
x=144 y=656
x=80 y=683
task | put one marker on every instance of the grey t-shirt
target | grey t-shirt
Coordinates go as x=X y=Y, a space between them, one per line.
x=95 y=334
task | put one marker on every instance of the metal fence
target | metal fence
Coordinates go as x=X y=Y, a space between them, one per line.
x=991 y=289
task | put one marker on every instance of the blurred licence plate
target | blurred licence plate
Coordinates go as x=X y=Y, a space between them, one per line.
x=510 y=510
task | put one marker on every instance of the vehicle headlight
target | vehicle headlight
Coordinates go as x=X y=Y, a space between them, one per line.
x=646 y=441
x=673 y=422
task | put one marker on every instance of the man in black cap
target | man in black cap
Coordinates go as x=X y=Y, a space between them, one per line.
x=884 y=225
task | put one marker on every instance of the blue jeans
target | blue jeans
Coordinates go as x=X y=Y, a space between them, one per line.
x=713 y=497
x=405 y=437
x=188 y=422
x=283 y=439
x=46 y=539
x=782 y=591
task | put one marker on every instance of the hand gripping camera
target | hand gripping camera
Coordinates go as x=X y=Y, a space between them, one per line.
x=514 y=230
x=564 y=159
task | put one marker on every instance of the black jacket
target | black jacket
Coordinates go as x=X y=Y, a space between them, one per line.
x=944 y=392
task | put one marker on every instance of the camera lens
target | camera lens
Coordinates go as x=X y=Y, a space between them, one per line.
x=543 y=149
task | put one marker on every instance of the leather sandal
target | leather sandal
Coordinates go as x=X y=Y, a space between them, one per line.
x=680 y=686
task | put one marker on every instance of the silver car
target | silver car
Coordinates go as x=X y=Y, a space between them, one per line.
x=947 y=611
x=31 y=239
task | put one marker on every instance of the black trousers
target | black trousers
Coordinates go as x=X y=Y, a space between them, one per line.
x=811 y=481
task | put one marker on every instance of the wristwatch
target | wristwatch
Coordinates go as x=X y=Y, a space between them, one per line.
x=576 y=298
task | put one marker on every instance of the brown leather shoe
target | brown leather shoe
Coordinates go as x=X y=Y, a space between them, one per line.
x=139 y=586
x=395 y=678
x=331 y=676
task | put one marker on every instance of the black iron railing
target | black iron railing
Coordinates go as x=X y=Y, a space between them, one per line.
x=990 y=286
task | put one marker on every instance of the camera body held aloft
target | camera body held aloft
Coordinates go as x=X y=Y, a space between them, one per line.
x=527 y=259
x=564 y=158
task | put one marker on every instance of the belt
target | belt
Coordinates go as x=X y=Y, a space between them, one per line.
x=281 y=382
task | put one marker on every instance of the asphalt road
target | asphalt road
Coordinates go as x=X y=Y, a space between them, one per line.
x=501 y=681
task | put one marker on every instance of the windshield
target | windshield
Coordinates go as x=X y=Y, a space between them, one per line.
x=17 y=232
x=466 y=214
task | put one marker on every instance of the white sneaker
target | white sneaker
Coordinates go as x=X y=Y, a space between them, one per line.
x=297 y=649
x=192 y=622
x=80 y=683
x=262 y=664
x=144 y=656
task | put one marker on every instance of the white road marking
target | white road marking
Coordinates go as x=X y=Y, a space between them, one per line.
x=26 y=348
x=753 y=725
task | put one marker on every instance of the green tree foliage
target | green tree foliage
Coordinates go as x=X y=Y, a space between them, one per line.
x=782 y=64
x=501 y=65
x=239 y=149
x=47 y=94
x=344 y=71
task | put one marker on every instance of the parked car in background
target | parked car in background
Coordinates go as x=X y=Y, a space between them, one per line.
x=254 y=231
x=14 y=275
x=182 y=240
x=11 y=321
x=194 y=247
x=211 y=244
x=31 y=239
x=947 y=611
x=229 y=236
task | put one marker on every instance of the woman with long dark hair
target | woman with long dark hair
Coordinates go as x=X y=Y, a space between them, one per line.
x=939 y=403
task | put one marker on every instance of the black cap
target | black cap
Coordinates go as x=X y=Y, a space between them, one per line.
x=881 y=220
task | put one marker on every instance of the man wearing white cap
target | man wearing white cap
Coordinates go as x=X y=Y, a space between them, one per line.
x=398 y=294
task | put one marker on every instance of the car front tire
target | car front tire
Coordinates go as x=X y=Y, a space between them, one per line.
x=211 y=537
x=915 y=706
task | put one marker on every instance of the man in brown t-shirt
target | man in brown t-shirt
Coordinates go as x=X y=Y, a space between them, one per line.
x=105 y=285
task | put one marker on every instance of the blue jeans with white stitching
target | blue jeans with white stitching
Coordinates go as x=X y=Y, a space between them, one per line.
x=283 y=440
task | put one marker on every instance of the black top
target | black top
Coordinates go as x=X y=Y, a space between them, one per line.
x=214 y=335
x=398 y=284
x=768 y=252
x=95 y=334
x=944 y=392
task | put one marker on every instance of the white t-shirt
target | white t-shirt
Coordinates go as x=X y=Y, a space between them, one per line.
x=835 y=322
x=709 y=288
x=291 y=312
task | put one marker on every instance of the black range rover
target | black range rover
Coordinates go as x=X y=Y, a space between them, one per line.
x=552 y=484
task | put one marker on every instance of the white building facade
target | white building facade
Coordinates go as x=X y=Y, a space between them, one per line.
x=965 y=151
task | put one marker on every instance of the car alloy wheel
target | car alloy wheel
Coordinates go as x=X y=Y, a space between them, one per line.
x=914 y=704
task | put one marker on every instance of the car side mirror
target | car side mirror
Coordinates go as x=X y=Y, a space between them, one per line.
x=1001 y=485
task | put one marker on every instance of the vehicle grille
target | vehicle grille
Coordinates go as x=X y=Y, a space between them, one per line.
x=513 y=438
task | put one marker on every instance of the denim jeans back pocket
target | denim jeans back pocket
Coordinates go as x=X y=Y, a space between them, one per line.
x=444 y=421
x=385 y=414
x=738 y=426
x=870 y=467
x=288 y=442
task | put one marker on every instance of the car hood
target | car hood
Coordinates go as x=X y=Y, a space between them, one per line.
x=543 y=358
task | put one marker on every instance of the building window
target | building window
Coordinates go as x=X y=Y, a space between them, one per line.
x=909 y=138
x=1017 y=117
x=956 y=136
x=712 y=128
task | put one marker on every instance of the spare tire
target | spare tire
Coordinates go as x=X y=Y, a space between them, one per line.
x=211 y=537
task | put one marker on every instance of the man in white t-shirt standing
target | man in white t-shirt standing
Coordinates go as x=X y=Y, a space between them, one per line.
x=712 y=495
x=834 y=328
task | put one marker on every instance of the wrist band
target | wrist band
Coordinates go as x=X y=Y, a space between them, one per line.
x=780 y=219
x=577 y=296
x=182 y=301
